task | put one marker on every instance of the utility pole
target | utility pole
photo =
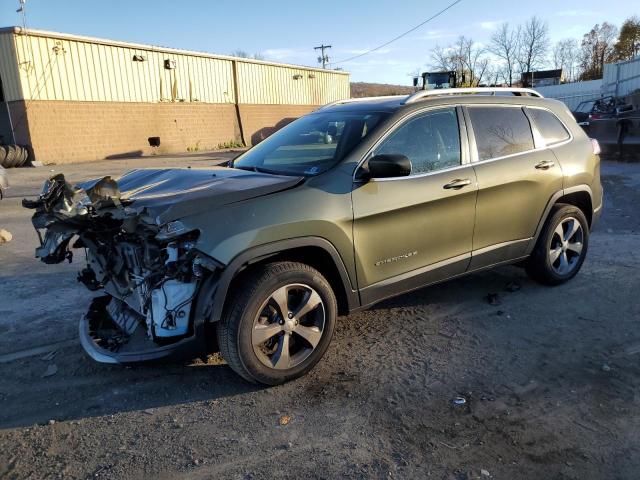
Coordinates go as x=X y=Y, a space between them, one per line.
x=323 y=59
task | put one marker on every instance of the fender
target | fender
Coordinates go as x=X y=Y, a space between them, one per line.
x=552 y=201
x=260 y=252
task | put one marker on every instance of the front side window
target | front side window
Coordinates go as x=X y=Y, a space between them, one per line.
x=431 y=141
x=551 y=129
x=310 y=145
x=500 y=131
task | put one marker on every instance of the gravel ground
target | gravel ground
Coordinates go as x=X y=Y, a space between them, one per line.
x=550 y=376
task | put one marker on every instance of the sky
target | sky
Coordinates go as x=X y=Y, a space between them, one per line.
x=288 y=31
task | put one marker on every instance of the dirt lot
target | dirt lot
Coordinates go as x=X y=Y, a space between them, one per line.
x=551 y=377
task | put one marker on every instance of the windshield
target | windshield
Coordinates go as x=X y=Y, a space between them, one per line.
x=585 y=106
x=310 y=145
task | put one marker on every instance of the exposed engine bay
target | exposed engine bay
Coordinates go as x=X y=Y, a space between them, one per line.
x=137 y=252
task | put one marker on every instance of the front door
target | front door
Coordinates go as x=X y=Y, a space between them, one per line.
x=414 y=230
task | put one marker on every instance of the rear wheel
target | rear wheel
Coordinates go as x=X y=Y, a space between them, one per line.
x=278 y=323
x=561 y=247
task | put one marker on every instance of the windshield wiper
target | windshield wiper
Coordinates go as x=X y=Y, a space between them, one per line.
x=249 y=169
x=253 y=168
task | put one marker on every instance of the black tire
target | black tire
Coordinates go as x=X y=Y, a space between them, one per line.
x=22 y=156
x=3 y=155
x=251 y=296
x=541 y=266
x=11 y=158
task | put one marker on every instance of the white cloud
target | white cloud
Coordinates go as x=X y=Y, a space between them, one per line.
x=490 y=24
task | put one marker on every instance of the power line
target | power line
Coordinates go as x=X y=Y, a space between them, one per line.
x=451 y=5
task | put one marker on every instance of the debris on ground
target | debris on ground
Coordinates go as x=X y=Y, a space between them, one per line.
x=606 y=368
x=51 y=370
x=5 y=236
x=459 y=401
x=485 y=473
x=493 y=299
x=284 y=420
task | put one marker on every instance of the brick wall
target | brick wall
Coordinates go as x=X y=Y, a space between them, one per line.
x=260 y=121
x=64 y=132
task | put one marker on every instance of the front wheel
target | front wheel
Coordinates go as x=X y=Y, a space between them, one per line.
x=561 y=247
x=278 y=322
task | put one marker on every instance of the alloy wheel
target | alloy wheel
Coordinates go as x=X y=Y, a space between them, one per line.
x=288 y=327
x=566 y=246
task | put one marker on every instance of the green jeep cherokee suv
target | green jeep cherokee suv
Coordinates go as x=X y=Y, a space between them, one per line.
x=354 y=203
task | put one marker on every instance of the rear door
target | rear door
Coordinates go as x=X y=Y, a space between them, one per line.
x=517 y=175
x=413 y=230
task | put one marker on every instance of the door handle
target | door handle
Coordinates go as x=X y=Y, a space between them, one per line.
x=457 y=183
x=545 y=164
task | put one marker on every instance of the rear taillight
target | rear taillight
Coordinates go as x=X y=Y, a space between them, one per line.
x=594 y=116
x=595 y=146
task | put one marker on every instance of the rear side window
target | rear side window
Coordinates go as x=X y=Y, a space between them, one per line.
x=548 y=125
x=500 y=131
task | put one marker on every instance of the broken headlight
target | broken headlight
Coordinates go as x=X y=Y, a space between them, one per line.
x=172 y=230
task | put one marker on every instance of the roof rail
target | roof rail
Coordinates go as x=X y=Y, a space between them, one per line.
x=360 y=99
x=471 y=90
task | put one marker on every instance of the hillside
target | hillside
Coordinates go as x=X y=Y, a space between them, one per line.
x=363 y=89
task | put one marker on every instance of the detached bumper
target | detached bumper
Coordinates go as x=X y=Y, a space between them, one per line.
x=135 y=347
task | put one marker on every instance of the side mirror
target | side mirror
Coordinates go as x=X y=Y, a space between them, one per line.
x=388 y=165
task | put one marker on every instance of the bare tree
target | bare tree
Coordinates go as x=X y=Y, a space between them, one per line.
x=533 y=44
x=442 y=58
x=245 y=54
x=597 y=49
x=504 y=45
x=565 y=56
x=473 y=59
x=465 y=57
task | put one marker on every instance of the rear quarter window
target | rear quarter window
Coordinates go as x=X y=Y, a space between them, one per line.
x=549 y=126
x=500 y=131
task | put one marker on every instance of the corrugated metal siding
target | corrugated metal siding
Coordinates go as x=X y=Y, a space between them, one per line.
x=622 y=78
x=9 y=68
x=619 y=79
x=269 y=84
x=83 y=71
x=571 y=94
x=77 y=70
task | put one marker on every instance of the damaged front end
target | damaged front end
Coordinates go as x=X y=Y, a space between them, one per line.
x=149 y=270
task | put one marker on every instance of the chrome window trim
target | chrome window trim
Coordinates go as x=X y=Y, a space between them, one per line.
x=465 y=159
x=504 y=157
x=421 y=175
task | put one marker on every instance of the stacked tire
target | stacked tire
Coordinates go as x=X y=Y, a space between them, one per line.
x=13 y=156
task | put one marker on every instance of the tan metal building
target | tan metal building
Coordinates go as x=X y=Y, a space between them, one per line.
x=72 y=98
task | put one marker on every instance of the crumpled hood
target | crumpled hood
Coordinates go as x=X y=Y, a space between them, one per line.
x=141 y=200
x=175 y=192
